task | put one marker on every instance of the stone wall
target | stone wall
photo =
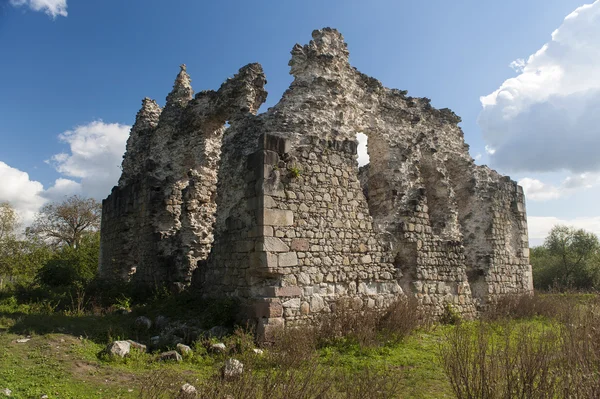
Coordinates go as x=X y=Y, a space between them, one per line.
x=296 y=226
x=157 y=224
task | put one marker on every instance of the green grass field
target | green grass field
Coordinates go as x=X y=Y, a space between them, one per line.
x=64 y=359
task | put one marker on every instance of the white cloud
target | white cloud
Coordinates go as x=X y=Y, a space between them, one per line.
x=23 y=194
x=92 y=163
x=489 y=150
x=518 y=65
x=27 y=196
x=363 y=156
x=536 y=190
x=62 y=188
x=546 y=118
x=96 y=152
x=540 y=226
x=53 y=8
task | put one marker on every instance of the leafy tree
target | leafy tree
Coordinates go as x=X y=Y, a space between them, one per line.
x=72 y=266
x=569 y=258
x=20 y=258
x=67 y=222
x=9 y=222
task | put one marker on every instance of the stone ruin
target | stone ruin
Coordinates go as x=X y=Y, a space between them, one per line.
x=273 y=209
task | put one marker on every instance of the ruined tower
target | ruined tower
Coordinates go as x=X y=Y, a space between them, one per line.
x=274 y=211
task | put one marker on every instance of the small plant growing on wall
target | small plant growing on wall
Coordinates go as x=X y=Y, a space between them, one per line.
x=294 y=171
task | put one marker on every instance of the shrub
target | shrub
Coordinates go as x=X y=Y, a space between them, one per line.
x=69 y=266
x=347 y=325
x=482 y=363
x=524 y=306
x=401 y=318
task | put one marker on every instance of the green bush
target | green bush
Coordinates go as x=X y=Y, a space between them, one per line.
x=72 y=266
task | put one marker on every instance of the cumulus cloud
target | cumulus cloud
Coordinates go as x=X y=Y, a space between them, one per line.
x=91 y=167
x=546 y=118
x=536 y=190
x=518 y=65
x=27 y=196
x=61 y=189
x=23 y=194
x=53 y=8
x=94 y=158
x=540 y=226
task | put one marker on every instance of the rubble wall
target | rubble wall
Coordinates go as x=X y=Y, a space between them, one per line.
x=296 y=226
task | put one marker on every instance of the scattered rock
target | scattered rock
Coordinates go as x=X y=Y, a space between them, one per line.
x=122 y=311
x=44 y=396
x=170 y=355
x=136 y=345
x=184 y=349
x=23 y=340
x=143 y=323
x=119 y=348
x=187 y=391
x=233 y=368
x=258 y=351
x=218 y=348
x=154 y=340
x=6 y=392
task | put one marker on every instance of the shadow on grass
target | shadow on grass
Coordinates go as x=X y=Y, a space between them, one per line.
x=105 y=325
x=100 y=329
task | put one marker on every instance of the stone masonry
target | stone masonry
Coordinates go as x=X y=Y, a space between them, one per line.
x=273 y=209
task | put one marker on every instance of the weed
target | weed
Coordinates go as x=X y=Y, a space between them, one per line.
x=294 y=171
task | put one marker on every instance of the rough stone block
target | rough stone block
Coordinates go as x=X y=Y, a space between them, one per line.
x=262 y=260
x=287 y=259
x=292 y=303
x=277 y=217
x=286 y=291
x=299 y=244
x=269 y=307
x=272 y=244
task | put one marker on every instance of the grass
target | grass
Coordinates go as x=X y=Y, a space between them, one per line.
x=63 y=358
x=64 y=366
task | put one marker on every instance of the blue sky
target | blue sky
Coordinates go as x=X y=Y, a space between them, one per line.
x=73 y=74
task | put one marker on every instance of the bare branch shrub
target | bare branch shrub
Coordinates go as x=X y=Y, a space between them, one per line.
x=526 y=306
x=485 y=363
x=161 y=384
x=348 y=323
x=580 y=360
x=401 y=318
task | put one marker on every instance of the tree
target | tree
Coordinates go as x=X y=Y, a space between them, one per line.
x=70 y=266
x=67 y=222
x=569 y=258
x=9 y=222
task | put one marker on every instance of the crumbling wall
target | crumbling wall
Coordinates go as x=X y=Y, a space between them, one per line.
x=296 y=226
x=158 y=223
